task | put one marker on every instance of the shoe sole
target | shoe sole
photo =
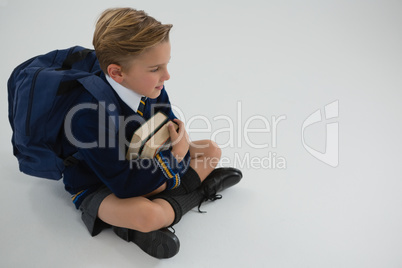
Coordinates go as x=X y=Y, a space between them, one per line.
x=161 y=244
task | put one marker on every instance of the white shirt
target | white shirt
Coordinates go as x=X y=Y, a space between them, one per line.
x=131 y=98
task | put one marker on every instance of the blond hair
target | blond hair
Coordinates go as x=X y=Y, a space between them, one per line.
x=123 y=33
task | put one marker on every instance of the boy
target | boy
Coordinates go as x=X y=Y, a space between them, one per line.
x=138 y=199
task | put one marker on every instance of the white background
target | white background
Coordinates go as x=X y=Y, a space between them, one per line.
x=274 y=58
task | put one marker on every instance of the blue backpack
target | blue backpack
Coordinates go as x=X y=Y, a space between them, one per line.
x=41 y=91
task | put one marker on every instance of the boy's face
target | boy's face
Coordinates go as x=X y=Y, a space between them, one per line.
x=148 y=72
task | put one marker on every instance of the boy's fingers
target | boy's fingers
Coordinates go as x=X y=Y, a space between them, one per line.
x=181 y=125
x=178 y=122
x=180 y=133
x=172 y=131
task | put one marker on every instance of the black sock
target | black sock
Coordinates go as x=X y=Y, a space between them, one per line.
x=181 y=204
x=188 y=183
x=185 y=197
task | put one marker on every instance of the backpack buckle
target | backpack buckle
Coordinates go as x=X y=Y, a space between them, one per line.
x=70 y=161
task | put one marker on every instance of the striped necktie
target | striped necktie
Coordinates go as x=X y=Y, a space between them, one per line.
x=141 y=107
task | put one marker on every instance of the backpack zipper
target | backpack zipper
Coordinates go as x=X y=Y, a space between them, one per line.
x=30 y=103
x=31 y=95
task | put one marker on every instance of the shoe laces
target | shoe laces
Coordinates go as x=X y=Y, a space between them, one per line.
x=208 y=196
x=170 y=228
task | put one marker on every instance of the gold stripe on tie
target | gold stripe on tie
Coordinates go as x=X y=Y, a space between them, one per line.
x=141 y=107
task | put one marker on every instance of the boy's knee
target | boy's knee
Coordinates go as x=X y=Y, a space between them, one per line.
x=214 y=154
x=150 y=218
x=214 y=151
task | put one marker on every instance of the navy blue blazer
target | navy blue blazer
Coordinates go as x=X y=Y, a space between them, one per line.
x=105 y=163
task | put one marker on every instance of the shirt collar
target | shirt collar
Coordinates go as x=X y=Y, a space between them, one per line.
x=131 y=98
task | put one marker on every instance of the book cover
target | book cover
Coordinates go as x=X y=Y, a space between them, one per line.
x=150 y=138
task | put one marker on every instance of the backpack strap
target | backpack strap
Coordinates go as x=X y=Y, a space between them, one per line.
x=73 y=58
x=101 y=91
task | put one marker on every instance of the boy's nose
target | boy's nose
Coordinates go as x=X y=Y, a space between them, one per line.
x=166 y=76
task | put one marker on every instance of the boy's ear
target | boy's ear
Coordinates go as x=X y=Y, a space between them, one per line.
x=114 y=71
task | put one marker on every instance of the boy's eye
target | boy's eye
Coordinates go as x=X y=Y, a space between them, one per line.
x=154 y=70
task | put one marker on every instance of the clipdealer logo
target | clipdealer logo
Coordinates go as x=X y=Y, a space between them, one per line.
x=331 y=154
x=237 y=133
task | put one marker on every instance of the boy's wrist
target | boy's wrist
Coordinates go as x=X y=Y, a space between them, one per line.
x=179 y=157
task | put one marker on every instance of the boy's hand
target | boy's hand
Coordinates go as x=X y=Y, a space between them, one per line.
x=180 y=140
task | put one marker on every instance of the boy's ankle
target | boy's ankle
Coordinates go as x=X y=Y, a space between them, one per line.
x=190 y=180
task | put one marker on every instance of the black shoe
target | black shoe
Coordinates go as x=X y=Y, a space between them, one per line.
x=160 y=244
x=219 y=180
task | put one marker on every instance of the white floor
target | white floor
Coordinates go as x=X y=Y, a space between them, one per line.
x=241 y=65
